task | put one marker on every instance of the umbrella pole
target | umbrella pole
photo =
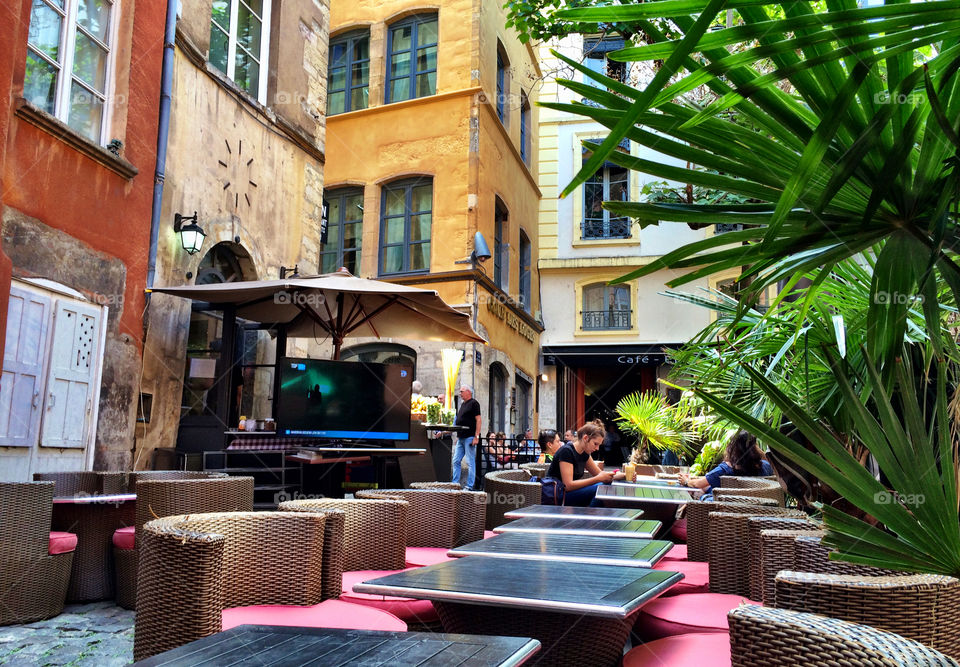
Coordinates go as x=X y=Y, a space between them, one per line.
x=337 y=342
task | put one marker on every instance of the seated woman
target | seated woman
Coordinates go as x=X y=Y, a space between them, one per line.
x=549 y=441
x=573 y=460
x=498 y=453
x=742 y=457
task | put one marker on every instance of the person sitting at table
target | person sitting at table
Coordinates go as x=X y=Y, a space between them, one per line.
x=573 y=460
x=549 y=441
x=498 y=453
x=569 y=436
x=742 y=457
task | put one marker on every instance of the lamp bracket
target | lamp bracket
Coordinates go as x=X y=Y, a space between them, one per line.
x=178 y=220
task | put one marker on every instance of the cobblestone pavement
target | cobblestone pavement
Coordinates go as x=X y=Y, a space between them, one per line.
x=99 y=633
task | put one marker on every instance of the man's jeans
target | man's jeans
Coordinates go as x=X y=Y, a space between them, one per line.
x=465 y=447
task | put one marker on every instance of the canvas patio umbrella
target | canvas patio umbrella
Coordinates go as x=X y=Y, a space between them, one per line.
x=338 y=305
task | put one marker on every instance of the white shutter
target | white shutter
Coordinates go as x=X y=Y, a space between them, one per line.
x=74 y=357
x=21 y=386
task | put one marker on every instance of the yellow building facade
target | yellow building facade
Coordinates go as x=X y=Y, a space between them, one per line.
x=431 y=138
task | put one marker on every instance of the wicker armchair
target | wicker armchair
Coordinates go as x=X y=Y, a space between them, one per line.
x=439 y=517
x=508 y=490
x=33 y=584
x=192 y=567
x=766 y=562
x=374 y=531
x=697 y=515
x=759 y=487
x=157 y=498
x=767 y=637
x=537 y=469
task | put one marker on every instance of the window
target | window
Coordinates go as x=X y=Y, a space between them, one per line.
x=498 y=397
x=523 y=405
x=525 y=118
x=606 y=307
x=595 y=57
x=412 y=68
x=503 y=86
x=70 y=62
x=239 y=41
x=609 y=183
x=526 y=255
x=348 y=79
x=344 y=231
x=501 y=268
x=405 y=226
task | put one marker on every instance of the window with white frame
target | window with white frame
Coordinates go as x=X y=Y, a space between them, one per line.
x=610 y=182
x=240 y=42
x=69 y=69
x=606 y=307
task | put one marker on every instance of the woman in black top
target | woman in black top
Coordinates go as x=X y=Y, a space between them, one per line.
x=573 y=460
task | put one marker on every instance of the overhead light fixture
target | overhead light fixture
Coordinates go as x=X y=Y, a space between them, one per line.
x=191 y=234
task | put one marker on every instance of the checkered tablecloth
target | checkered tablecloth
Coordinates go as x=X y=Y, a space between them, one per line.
x=270 y=442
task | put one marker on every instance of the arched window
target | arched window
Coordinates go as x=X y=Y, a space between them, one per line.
x=348 y=74
x=609 y=183
x=405 y=226
x=497 y=397
x=606 y=307
x=503 y=85
x=501 y=260
x=344 y=230
x=412 y=62
x=525 y=129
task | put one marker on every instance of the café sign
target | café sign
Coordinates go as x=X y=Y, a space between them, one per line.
x=511 y=319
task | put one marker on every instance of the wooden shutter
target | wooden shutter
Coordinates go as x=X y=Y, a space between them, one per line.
x=21 y=386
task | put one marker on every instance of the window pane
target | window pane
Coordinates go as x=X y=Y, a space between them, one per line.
x=86 y=111
x=400 y=65
x=401 y=38
x=426 y=84
x=247 y=72
x=360 y=73
x=420 y=227
x=328 y=263
x=361 y=48
x=248 y=30
x=426 y=58
x=353 y=207
x=621 y=298
x=40 y=83
x=400 y=90
x=255 y=5
x=427 y=33
x=396 y=202
x=351 y=235
x=44 y=31
x=393 y=259
x=94 y=16
x=218 y=48
x=351 y=260
x=359 y=98
x=90 y=62
x=422 y=198
x=593 y=298
x=221 y=13
x=333 y=211
x=593 y=200
x=419 y=256
x=335 y=103
x=393 y=230
x=338 y=55
x=338 y=78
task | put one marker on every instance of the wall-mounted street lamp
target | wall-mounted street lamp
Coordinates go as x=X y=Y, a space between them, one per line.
x=191 y=235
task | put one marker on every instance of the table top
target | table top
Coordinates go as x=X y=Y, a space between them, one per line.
x=262 y=645
x=644 y=494
x=600 y=513
x=641 y=529
x=572 y=548
x=650 y=481
x=94 y=499
x=609 y=591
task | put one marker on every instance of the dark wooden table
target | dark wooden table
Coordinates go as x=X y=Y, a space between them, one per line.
x=572 y=548
x=607 y=513
x=93 y=518
x=641 y=529
x=327 y=647
x=581 y=613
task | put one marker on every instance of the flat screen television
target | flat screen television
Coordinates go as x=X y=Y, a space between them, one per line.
x=350 y=400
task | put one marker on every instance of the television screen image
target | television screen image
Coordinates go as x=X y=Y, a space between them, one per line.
x=321 y=398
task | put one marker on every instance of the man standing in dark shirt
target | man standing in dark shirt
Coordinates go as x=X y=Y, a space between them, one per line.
x=468 y=435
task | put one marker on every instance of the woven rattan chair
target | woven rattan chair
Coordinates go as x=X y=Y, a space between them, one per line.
x=537 y=469
x=508 y=490
x=729 y=549
x=922 y=607
x=698 y=522
x=374 y=531
x=79 y=482
x=157 y=498
x=33 y=584
x=192 y=567
x=760 y=487
x=767 y=637
x=764 y=564
x=439 y=517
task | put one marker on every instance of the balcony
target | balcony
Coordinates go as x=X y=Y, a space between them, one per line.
x=604 y=320
x=613 y=228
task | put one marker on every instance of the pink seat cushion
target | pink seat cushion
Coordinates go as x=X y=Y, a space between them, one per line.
x=408 y=610
x=123 y=537
x=692 y=650
x=678 y=531
x=327 y=614
x=696 y=576
x=61 y=543
x=681 y=614
x=423 y=556
x=678 y=552
x=488 y=534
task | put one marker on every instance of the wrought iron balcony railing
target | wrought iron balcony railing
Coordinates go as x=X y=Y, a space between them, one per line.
x=598 y=320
